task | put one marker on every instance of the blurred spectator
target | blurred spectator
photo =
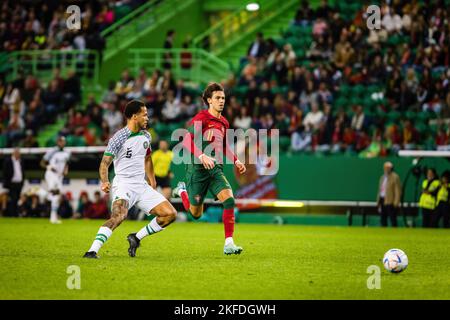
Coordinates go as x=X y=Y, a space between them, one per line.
x=314 y=117
x=168 y=44
x=301 y=138
x=98 y=209
x=52 y=99
x=389 y=195
x=172 y=109
x=443 y=207
x=358 y=120
x=105 y=17
x=113 y=117
x=410 y=135
x=65 y=209
x=125 y=84
x=14 y=178
x=243 y=120
x=186 y=57
x=257 y=48
x=83 y=205
x=34 y=208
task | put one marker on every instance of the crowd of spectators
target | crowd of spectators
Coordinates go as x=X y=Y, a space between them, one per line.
x=37 y=25
x=298 y=91
x=27 y=105
x=279 y=85
x=31 y=204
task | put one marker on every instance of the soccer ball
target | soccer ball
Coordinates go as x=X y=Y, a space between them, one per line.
x=395 y=260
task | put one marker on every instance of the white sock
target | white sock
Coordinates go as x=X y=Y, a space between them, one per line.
x=228 y=241
x=151 y=228
x=54 y=199
x=180 y=191
x=103 y=234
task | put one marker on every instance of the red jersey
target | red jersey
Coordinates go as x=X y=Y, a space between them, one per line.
x=213 y=131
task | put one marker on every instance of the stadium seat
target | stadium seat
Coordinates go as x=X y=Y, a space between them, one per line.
x=359 y=90
x=423 y=116
x=393 y=116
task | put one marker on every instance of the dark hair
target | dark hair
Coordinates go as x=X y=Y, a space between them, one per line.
x=446 y=174
x=213 y=86
x=133 y=107
x=434 y=172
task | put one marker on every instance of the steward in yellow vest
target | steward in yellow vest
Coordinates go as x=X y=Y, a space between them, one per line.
x=427 y=202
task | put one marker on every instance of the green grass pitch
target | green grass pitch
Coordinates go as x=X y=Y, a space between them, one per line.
x=185 y=261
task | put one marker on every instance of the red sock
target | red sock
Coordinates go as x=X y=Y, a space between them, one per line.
x=185 y=199
x=228 y=222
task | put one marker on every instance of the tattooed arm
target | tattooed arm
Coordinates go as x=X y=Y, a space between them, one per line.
x=104 y=165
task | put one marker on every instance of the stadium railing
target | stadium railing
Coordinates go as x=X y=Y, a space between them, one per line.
x=196 y=65
x=123 y=32
x=238 y=25
x=42 y=63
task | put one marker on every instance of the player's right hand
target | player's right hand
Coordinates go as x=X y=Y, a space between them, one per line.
x=207 y=162
x=106 y=186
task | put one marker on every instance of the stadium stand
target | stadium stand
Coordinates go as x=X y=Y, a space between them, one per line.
x=326 y=82
x=36 y=25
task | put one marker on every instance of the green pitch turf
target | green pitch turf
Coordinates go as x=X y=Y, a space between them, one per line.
x=186 y=262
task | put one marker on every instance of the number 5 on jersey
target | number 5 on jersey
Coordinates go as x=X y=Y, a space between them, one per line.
x=128 y=154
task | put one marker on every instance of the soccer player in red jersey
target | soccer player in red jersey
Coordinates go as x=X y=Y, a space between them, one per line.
x=207 y=173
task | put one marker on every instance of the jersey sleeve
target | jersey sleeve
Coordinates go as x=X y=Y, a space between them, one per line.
x=49 y=154
x=196 y=124
x=115 y=144
x=149 y=137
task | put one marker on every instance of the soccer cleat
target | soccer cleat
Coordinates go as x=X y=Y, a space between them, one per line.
x=55 y=221
x=91 y=255
x=176 y=191
x=134 y=244
x=231 y=248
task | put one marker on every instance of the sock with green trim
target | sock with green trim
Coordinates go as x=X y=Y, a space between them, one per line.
x=151 y=228
x=103 y=234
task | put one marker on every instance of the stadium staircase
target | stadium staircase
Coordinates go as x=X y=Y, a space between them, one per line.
x=229 y=39
x=146 y=18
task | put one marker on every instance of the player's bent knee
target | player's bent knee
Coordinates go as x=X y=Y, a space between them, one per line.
x=172 y=215
x=196 y=214
x=229 y=203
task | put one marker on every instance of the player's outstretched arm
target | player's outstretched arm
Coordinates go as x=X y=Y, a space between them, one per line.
x=149 y=172
x=190 y=146
x=103 y=171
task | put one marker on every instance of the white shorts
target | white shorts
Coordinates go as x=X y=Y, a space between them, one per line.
x=141 y=195
x=54 y=181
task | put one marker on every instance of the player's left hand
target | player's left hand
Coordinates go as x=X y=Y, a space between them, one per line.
x=241 y=167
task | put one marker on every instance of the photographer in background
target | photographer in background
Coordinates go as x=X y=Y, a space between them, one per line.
x=389 y=195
